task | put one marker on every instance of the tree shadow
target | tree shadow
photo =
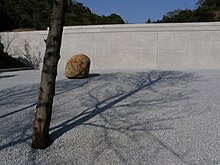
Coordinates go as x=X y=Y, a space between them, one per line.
x=115 y=100
x=130 y=105
x=96 y=110
x=27 y=94
x=23 y=97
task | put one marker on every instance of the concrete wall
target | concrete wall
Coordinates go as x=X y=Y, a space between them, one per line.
x=23 y=44
x=147 y=46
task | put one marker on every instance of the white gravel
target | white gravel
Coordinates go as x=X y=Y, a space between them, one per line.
x=131 y=118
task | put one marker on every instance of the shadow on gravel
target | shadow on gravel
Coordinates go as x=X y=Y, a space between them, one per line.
x=24 y=99
x=132 y=105
x=7 y=76
x=20 y=95
x=98 y=108
x=122 y=103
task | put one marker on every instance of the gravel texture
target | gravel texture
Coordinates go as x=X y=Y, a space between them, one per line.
x=131 y=118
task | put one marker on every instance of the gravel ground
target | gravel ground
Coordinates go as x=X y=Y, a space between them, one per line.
x=131 y=118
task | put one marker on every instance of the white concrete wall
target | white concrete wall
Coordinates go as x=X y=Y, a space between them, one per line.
x=147 y=46
x=22 y=44
x=14 y=42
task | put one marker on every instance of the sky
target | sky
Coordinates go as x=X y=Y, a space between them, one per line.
x=137 y=11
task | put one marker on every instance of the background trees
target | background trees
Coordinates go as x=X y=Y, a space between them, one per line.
x=77 y=14
x=35 y=14
x=206 y=11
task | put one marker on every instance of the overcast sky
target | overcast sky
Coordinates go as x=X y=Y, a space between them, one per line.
x=137 y=11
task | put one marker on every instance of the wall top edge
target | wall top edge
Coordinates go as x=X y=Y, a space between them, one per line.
x=202 y=26
x=198 y=24
x=24 y=32
x=210 y=26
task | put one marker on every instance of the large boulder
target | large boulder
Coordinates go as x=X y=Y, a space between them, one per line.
x=78 y=66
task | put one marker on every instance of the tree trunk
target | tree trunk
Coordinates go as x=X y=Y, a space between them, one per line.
x=40 y=136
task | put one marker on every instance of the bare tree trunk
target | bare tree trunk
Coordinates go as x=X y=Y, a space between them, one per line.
x=40 y=136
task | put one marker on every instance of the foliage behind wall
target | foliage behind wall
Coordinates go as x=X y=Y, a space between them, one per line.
x=35 y=15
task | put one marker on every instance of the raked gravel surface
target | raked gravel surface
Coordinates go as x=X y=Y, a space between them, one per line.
x=152 y=117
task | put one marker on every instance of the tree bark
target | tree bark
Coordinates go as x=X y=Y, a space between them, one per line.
x=40 y=136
